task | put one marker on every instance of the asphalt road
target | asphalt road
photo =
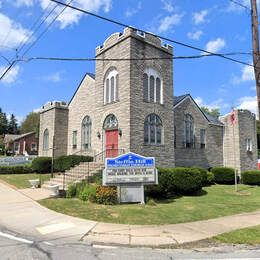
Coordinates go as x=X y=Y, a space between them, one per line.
x=18 y=247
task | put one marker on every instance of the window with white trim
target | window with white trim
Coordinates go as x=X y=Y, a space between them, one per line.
x=249 y=145
x=152 y=86
x=16 y=146
x=46 y=140
x=189 y=140
x=202 y=138
x=74 y=139
x=86 y=133
x=111 y=87
x=153 y=129
x=33 y=147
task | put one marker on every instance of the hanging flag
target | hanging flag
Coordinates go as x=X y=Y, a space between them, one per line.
x=233 y=119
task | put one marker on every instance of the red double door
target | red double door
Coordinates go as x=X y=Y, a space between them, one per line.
x=111 y=143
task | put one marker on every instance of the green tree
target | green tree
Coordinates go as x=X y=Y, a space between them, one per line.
x=213 y=112
x=3 y=123
x=12 y=125
x=31 y=123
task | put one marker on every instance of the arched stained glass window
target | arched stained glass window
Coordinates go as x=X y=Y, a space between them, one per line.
x=153 y=129
x=86 y=133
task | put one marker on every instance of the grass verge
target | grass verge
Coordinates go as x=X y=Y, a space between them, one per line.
x=21 y=181
x=215 y=201
x=250 y=236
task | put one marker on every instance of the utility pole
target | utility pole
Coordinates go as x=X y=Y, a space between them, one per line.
x=256 y=55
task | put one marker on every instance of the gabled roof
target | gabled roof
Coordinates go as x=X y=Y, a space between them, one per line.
x=12 y=138
x=178 y=99
x=91 y=75
x=23 y=135
x=211 y=119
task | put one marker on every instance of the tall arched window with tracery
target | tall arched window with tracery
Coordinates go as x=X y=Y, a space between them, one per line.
x=153 y=130
x=86 y=133
x=111 y=87
x=189 y=141
x=152 y=86
x=46 y=140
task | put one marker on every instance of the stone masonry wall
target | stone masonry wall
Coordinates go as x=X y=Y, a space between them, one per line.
x=235 y=153
x=212 y=155
x=54 y=117
x=141 y=48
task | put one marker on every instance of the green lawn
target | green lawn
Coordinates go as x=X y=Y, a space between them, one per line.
x=20 y=181
x=242 y=236
x=217 y=201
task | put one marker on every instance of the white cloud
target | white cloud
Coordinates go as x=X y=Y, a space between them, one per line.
x=54 y=77
x=132 y=11
x=195 y=35
x=247 y=74
x=167 y=6
x=249 y=103
x=215 y=45
x=19 y=3
x=168 y=22
x=200 y=17
x=219 y=103
x=70 y=17
x=11 y=33
x=11 y=75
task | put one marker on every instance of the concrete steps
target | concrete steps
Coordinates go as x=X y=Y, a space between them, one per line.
x=74 y=175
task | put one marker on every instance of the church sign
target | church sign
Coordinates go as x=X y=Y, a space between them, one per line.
x=130 y=172
x=130 y=168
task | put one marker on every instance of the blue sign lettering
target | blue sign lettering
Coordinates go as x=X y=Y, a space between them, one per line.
x=130 y=160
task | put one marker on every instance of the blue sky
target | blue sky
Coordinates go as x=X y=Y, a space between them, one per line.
x=216 y=25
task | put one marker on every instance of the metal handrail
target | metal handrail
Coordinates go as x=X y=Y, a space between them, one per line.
x=102 y=155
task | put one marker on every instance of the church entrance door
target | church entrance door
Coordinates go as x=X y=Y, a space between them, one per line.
x=111 y=143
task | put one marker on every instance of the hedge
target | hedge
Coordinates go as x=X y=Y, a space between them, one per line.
x=19 y=169
x=223 y=175
x=42 y=164
x=63 y=163
x=204 y=175
x=251 y=177
x=176 y=180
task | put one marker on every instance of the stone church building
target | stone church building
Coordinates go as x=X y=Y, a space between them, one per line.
x=128 y=105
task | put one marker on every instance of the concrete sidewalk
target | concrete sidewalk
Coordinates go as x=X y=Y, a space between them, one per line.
x=23 y=215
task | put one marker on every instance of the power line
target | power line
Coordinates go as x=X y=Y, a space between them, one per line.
x=46 y=29
x=164 y=38
x=25 y=41
x=128 y=59
x=239 y=4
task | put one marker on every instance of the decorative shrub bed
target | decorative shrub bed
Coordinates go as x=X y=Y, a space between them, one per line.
x=177 y=180
x=93 y=193
x=21 y=169
x=251 y=177
x=223 y=175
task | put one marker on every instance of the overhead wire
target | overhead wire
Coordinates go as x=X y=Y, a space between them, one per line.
x=38 y=38
x=149 y=33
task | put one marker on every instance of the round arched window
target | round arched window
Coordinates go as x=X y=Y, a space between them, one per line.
x=111 y=87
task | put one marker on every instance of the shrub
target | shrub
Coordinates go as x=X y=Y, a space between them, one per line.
x=176 y=180
x=80 y=187
x=96 y=178
x=71 y=192
x=63 y=163
x=210 y=178
x=19 y=169
x=88 y=193
x=187 y=180
x=204 y=174
x=223 y=175
x=251 y=177
x=42 y=164
x=106 y=195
